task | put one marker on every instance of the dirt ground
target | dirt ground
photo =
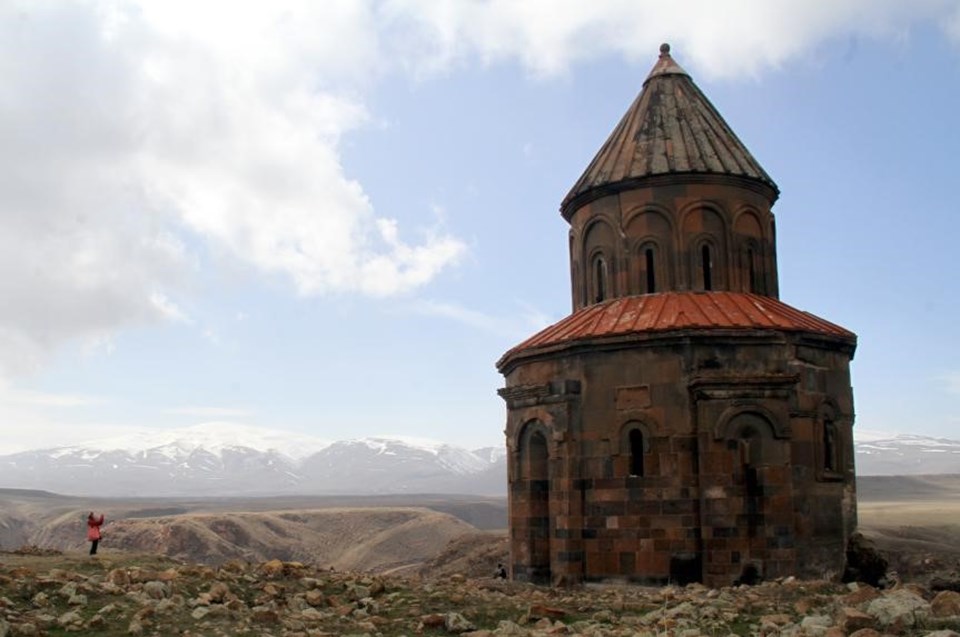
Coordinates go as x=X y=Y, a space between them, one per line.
x=920 y=538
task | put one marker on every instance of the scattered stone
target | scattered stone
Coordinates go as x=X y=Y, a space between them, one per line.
x=289 y=599
x=156 y=589
x=40 y=600
x=852 y=619
x=945 y=604
x=272 y=569
x=264 y=615
x=457 y=623
x=315 y=597
x=861 y=594
x=118 y=577
x=23 y=630
x=218 y=593
x=899 y=608
x=539 y=610
x=77 y=600
x=70 y=620
x=435 y=620
x=509 y=629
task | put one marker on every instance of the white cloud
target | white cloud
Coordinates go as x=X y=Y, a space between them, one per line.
x=740 y=37
x=535 y=318
x=168 y=309
x=515 y=325
x=14 y=396
x=143 y=139
x=251 y=160
x=458 y=313
x=952 y=24
x=34 y=418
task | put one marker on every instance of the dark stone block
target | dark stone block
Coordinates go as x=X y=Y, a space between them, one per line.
x=570 y=556
x=539 y=487
x=673 y=507
x=606 y=508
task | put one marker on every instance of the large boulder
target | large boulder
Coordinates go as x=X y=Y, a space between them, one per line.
x=864 y=562
x=900 y=608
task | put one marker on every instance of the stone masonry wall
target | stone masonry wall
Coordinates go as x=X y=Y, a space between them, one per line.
x=707 y=504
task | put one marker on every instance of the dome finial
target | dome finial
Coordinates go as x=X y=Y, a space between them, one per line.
x=664 y=49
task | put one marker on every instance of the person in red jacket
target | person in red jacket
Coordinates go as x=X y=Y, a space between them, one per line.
x=93 y=531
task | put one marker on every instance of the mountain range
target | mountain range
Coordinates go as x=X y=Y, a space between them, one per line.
x=230 y=460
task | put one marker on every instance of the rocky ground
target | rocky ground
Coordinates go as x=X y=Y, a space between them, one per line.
x=49 y=593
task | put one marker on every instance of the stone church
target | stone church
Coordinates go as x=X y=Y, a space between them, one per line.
x=682 y=424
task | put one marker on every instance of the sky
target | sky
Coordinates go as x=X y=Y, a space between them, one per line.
x=332 y=218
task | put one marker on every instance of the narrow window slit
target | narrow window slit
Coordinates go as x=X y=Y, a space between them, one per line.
x=636 y=452
x=600 y=272
x=651 y=274
x=707 y=267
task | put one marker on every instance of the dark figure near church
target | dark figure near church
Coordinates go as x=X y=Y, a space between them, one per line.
x=93 y=531
x=501 y=572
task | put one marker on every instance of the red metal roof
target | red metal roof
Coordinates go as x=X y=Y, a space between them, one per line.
x=671 y=311
x=670 y=129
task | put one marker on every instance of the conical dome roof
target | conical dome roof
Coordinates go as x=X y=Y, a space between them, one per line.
x=670 y=129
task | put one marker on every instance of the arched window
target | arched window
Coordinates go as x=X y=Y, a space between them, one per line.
x=636 y=452
x=599 y=279
x=751 y=458
x=706 y=267
x=651 y=273
x=534 y=522
x=536 y=457
x=752 y=270
x=831 y=455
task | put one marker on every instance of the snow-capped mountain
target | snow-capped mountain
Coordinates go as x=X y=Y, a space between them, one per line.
x=223 y=459
x=213 y=437
x=906 y=454
x=233 y=460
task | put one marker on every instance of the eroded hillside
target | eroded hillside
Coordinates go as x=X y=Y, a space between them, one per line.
x=377 y=540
